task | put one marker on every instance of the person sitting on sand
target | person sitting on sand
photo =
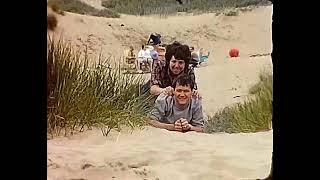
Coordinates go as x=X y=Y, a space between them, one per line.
x=144 y=57
x=154 y=53
x=201 y=53
x=202 y=56
x=141 y=57
x=157 y=50
x=155 y=38
x=194 y=54
x=147 y=56
x=157 y=66
x=131 y=57
x=180 y=112
x=177 y=59
x=155 y=42
x=131 y=53
x=160 y=59
x=198 y=56
x=191 y=49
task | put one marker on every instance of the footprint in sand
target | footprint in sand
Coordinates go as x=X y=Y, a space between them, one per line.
x=142 y=172
x=138 y=165
x=51 y=164
x=151 y=179
x=117 y=165
x=137 y=168
x=86 y=165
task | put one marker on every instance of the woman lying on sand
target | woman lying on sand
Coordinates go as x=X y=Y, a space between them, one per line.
x=177 y=59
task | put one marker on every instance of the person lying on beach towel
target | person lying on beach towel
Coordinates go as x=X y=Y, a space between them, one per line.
x=181 y=112
x=198 y=56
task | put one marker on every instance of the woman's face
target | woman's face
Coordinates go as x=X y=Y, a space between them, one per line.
x=176 y=65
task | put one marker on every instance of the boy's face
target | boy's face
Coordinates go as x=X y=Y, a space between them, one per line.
x=183 y=94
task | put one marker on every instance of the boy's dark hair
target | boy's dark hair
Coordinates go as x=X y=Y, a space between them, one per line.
x=179 y=51
x=183 y=80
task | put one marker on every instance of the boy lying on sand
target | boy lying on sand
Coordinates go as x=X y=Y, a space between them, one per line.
x=180 y=112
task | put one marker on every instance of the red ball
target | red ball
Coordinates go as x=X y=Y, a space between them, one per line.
x=234 y=52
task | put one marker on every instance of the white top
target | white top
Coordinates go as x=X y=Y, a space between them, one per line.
x=147 y=54
x=141 y=53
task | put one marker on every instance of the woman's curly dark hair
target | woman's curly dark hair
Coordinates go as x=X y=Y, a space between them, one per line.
x=179 y=51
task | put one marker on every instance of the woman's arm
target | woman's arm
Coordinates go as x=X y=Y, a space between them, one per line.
x=156 y=90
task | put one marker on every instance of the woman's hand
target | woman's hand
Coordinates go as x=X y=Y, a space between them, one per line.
x=168 y=90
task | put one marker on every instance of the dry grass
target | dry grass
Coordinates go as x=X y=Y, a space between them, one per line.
x=106 y=13
x=76 y=6
x=56 y=8
x=253 y=115
x=166 y=7
x=81 y=96
x=52 y=22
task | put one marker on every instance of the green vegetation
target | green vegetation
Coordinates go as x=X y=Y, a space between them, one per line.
x=254 y=115
x=82 y=96
x=165 y=7
x=76 y=6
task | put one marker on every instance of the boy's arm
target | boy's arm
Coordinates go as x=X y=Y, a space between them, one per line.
x=158 y=113
x=161 y=125
x=197 y=129
x=197 y=121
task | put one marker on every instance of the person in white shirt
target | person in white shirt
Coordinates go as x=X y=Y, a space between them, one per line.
x=147 y=56
x=141 y=57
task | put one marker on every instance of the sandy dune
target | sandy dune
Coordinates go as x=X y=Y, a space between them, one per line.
x=154 y=153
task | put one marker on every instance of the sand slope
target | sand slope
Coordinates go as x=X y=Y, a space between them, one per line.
x=154 y=153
